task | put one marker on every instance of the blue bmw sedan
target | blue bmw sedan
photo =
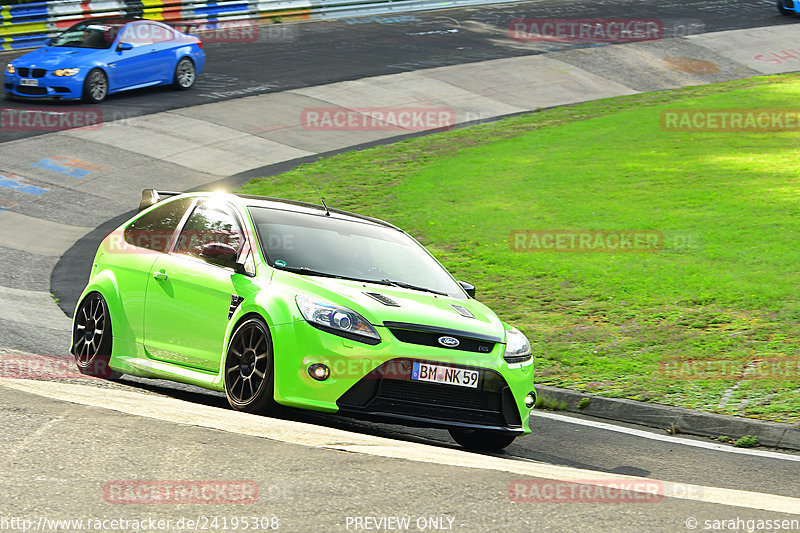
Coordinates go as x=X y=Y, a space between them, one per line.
x=98 y=57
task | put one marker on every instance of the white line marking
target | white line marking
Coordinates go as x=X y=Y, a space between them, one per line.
x=666 y=438
x=179 y=411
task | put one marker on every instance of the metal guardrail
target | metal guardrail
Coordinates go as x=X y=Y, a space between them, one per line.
x=30 y=25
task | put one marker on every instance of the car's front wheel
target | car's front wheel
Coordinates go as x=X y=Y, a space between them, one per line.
x=92 y=339
x=95 y=86
x=185 y=74
x=782 y=8
x=248 y=367
x=482 y=439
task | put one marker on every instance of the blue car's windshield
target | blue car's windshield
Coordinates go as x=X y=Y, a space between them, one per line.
x=88 y=34
x=331 y=246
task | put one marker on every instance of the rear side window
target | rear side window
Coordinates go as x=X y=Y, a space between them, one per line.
x=154 y=229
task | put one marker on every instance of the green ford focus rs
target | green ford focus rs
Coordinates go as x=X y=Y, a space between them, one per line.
x=280 y=302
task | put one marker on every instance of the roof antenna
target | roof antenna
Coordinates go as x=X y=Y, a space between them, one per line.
x=327 y=213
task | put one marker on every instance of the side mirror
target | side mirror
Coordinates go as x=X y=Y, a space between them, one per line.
x=49 y=41
x=124 y=46
x=469 y=288
x=219 y=253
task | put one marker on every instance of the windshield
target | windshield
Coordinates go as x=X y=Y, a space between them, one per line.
x=88 y=35
x=343 y=248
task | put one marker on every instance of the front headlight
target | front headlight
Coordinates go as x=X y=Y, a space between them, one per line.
x=338 y=320
x=10 y=69
x=66 y=71
x=518 y=349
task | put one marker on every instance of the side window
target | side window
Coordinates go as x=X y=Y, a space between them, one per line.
x=139 y=34
x=154 y=229
x=209 y=224
x=159 y=34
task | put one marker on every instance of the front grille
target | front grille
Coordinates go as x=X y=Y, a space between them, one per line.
x=61 y=89
x=33 y=91
x=26 y=72
x=388 y=392
x=434 y=394
x=431 y=338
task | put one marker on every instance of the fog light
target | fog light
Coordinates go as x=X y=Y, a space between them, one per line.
x=530 y=399
x=319 y=371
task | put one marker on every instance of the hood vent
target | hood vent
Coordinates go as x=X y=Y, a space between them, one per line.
x=463 y=311
x=382 y=298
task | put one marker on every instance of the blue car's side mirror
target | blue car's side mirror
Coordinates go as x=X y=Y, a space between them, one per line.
x=124 y=46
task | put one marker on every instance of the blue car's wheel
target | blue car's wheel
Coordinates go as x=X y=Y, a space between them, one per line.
x=95 y=86
x=782 y=9
x=184 y=74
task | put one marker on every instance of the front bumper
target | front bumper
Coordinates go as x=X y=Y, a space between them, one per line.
x=389 y=393
x=374 y=381
x=48 y=86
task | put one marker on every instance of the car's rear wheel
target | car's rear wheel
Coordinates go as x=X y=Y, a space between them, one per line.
x=248 y=367
x=92 y=338
x=482 y=439
x=184 y=74
x=782 y=9
x=95 y=86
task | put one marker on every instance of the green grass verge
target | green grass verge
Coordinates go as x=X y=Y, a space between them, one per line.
x=723 y=291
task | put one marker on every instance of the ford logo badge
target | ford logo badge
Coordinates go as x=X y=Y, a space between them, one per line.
x=449 y=342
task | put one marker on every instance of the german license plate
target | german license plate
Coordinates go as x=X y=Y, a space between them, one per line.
x=445 y=374
x=29 y=83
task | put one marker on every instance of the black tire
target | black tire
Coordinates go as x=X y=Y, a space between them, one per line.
x=482 y=439
x=248 y=372
x=95 y=86
x=8 y=96
x=185 y=74
x=782 y=10
x=92 y=338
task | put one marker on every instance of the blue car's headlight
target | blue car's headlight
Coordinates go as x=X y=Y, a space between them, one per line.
x=66 y=71
x=518 y=349
x=337 y=320
x=10 y=69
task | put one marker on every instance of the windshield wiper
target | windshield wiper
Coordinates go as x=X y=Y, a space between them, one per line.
x=310 y=272
x=405 y=285
x=385 y=281
x=306 y=270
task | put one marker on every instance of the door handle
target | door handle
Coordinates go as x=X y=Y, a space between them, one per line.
x=160 y=275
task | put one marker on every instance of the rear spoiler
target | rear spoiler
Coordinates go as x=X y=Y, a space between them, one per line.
x=152 y=197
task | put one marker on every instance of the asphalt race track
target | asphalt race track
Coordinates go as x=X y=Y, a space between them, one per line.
x=322 y=484
x=317 y=53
